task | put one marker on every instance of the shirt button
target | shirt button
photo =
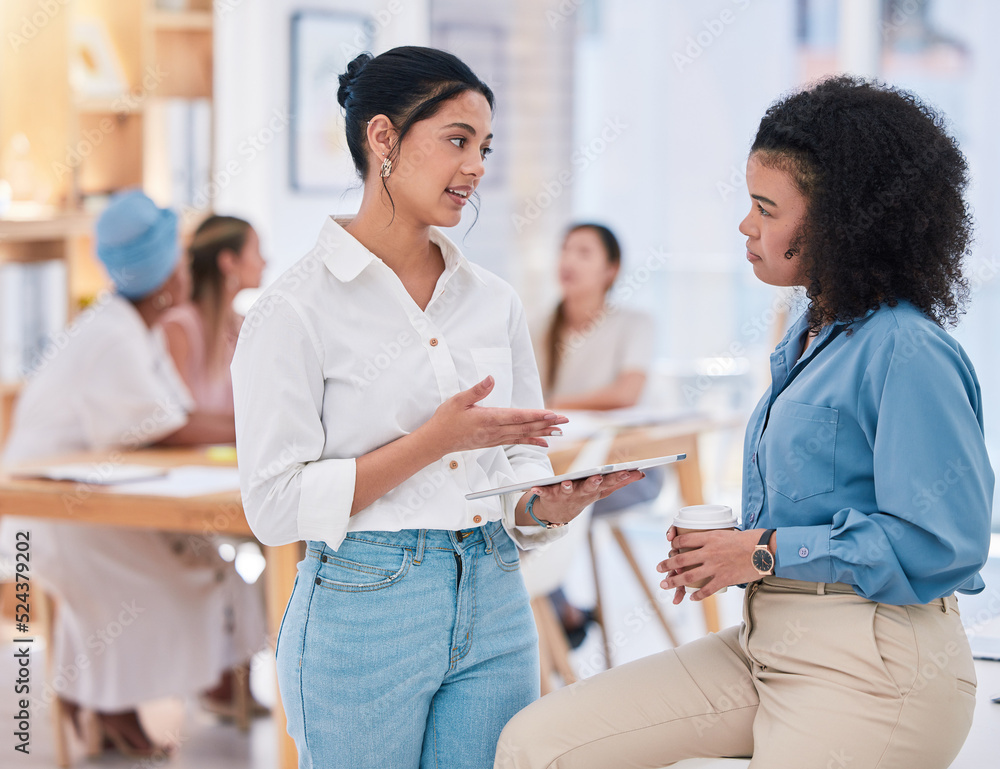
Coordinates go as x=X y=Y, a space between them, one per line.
x=453 y=465
x=477 y=519
x=803 y=551
x=434 y=342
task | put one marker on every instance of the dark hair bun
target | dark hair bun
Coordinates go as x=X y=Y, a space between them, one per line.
x=348 y=78
x=406 y=84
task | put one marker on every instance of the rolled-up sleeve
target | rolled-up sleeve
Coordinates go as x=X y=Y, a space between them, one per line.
x=289 y=492
x=919 y=409
x=527 y=462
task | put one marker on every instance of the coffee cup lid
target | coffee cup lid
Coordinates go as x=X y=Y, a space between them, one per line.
x=705 y=517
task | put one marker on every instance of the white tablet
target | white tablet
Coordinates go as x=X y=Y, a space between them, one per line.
x=638 y=464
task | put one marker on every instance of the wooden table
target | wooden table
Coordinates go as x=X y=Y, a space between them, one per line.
x=220 y=513
x=674 y=437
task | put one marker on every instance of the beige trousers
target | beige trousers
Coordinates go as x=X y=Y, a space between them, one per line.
x=816 y=677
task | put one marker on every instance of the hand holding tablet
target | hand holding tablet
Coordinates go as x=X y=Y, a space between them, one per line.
x=638 y=464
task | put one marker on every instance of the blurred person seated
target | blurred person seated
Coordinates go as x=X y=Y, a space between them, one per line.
x=594 y=355
x=141 y=614
x=201 y=333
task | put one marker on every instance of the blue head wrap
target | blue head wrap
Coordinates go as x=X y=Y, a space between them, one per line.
x=137 y=242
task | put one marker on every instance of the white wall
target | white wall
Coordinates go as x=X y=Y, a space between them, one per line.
x=521 y=219
x=674 y=178
x=687 y=82
x=976 y=22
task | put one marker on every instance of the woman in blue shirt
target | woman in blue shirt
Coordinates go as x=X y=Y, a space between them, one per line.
x=867 y=489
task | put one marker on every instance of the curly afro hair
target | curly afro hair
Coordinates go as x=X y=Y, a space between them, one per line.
x=886 y=218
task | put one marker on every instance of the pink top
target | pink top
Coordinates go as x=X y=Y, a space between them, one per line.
x=212 y=391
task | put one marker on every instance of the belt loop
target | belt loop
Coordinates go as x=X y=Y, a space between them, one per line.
x=488 y=536
x=421 y=543
x=820 y=588
x=944 y=604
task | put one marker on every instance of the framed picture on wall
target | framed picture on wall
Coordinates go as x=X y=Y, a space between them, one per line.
x=322 y=44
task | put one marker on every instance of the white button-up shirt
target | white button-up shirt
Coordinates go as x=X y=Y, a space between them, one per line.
x=335 y=359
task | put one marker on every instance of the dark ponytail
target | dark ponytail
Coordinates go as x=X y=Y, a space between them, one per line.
x=350 y=75
x=213 y=236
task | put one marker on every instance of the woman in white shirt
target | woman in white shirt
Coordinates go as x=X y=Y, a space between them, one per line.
x=141 y=614
x=377 y=382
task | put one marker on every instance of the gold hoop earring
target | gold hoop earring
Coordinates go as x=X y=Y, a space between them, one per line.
x=386 y=168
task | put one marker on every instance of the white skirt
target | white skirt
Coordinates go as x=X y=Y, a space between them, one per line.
x=140 y=614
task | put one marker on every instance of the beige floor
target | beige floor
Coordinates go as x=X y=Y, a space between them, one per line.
x=206 y=744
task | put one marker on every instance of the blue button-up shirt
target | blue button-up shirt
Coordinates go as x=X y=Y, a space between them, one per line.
x=867 y=456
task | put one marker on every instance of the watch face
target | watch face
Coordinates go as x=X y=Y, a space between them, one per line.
x=763 y=560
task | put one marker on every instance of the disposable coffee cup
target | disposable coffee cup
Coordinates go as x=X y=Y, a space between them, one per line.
x=696 y=518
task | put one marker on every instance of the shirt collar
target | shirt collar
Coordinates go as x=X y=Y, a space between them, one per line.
x=346 y=258
x=799 y=325
x=795 y=331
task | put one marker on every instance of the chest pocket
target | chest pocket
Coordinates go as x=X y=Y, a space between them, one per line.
x=800 y=443
x=495 y=362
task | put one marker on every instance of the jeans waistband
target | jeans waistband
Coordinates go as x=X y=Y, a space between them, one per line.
x=782 y=585
x=421 y=540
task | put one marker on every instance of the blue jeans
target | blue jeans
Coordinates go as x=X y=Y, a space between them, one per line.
x=407 y=649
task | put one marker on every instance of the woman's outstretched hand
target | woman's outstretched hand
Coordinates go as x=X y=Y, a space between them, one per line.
x=459 y=424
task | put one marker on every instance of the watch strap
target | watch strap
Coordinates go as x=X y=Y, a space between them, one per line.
x=763 y=545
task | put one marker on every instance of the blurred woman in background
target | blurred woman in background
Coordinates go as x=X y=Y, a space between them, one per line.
x=202 y=333
x=141 y=614
x=592 y=354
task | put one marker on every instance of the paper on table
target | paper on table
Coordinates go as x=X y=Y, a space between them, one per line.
x=97 y=473
x=185 y=481
x=640 y=416
x=594 y=451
